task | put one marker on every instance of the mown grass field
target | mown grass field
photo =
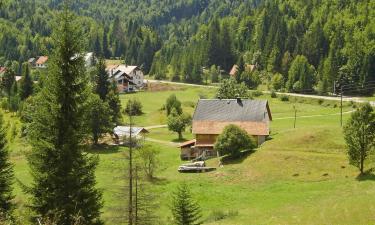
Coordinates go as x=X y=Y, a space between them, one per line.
x=300 y=176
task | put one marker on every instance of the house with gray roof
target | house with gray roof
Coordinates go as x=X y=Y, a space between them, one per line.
x=211 y=116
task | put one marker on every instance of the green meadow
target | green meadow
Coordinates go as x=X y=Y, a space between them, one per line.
x=299 y=176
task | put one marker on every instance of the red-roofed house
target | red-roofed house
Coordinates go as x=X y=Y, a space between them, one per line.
x=41 y=62
x=248 y=68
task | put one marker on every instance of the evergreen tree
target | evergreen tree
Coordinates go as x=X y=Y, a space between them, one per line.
x=102 y=80
x=6 y=176
x=113 y=99
x=100 y=118
x=8 y=80
x=26 y=83
x=97 y=47
x=106 y=52
x=185 y=210
x=63 y=187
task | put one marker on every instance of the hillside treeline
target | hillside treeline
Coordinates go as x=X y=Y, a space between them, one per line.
x=296 y=45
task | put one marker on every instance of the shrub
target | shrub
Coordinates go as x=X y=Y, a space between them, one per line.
x=4 y=103
x=284 y=98
x=189 y=104
x=134 y=107
x=273 y=94
x=257 y=93
x=320 y=101
x=173 y=103
x=233 y=141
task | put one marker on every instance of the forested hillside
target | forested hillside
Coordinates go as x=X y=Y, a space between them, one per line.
x=296 y=45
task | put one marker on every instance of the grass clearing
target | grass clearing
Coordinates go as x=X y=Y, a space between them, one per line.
x=300 y=176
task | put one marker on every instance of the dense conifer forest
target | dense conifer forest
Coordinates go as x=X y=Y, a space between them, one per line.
x=298 y=46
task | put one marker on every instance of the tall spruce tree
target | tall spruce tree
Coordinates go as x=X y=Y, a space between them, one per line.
x=6 y=176
x=26 y=84
x=102 y=80
x=63 y=187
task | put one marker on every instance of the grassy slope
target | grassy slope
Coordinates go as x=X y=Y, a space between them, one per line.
x=300 y=176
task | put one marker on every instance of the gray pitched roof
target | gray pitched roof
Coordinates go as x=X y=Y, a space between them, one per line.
x=231 y=110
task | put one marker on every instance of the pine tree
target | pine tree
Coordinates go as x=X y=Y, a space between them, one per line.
x=8 y=80
x=26 y=84
x=100 y=118
x=63 y=187
x=6 y=176
x=97 y=47
x=106 y=52
x=102 y=80
x=185 y=210
x=114 y=103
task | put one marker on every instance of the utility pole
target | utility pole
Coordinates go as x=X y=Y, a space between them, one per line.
x=341 y=104
x=136 y=194
x=295 y=116
x=130 y=215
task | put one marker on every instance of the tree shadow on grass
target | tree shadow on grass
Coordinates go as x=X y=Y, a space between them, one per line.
x=177 y=140
x=367 y=176
x=227 y=160
x=159 y=181
x=104 y=149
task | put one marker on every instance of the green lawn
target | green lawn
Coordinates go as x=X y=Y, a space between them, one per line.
x=300 y=176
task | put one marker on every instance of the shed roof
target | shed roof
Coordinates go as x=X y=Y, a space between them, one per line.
x=125 y=131
x=188 y=143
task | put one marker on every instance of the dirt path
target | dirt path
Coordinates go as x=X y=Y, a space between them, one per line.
x=331 y=98
x=163 y=142
x=155 y=127
x=311 y=116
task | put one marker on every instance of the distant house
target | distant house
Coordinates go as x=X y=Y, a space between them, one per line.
x=41 y=62
x=248 y=67
x=2 y=70
x=211 y=116
x=32 y=62
x=90 y=59
x=128 y=78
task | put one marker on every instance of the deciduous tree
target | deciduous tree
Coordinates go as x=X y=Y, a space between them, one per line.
x=359 y=133
x=233 y=140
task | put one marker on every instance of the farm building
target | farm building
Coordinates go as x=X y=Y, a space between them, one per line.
x=211 y=116
x=123 y=133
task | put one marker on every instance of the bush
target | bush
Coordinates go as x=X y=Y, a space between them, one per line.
x=233 y=141
x=284 y=98
x=189 y=104
x=134 y=107
x=173 y=103
x=320 y=101
x=257 y=93
x=217 y=215
x=273 y=94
